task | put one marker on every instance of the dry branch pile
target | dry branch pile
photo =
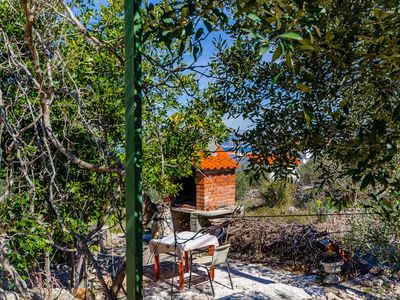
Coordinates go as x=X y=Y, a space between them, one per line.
x=297 y=246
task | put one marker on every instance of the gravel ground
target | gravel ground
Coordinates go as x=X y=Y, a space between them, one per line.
x=251 y=281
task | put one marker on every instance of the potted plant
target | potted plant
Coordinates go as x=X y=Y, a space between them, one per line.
x=332 y=264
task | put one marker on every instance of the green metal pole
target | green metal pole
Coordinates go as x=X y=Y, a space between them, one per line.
x=133 y=113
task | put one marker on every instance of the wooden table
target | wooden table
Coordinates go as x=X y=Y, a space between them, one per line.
x=181 y=244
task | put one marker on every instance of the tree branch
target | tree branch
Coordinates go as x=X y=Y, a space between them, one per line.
x=30 y=18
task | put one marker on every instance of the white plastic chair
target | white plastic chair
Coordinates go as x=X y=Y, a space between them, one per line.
x=219 y=257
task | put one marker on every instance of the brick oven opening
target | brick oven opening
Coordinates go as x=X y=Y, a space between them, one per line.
x=187 y=195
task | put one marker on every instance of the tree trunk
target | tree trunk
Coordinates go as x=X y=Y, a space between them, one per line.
x=47 y=272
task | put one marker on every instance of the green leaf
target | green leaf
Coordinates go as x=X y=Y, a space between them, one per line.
x=291 y=36
x=196 y=50
x=277 y=76
x=304 y=88
x=388 y=203
x=208 y=25
x=307 y=45
x=308 y=120
x=368 y=179
x=199 y=33
x=277 y=53
x=168 y=20
x=329 y=36
x=254 y=17
x=289 y=63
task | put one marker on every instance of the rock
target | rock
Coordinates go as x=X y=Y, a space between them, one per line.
x=368 y=283
x=9 y=296
x=375 y=271
x=288 y=292
x=253 y=194
x=353 y=297
x=332 y=296
x=387 y=272
x=342 y=295
x=55 y=294
x=332 y=279
x=61 y=294
x=348 y=295
x=397 y=291
x=378 y=282
x=366 y=276
x=391 y=286
x=292 y=209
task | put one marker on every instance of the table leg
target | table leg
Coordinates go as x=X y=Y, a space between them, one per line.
x=211 y=253
x=180 y=270
x=211 y=250
x=186 y=261
x=157 y=266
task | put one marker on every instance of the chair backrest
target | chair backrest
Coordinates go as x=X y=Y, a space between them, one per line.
x=220 y=254
x=217 y=231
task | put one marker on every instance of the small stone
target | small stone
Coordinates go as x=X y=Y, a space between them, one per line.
x=342 y=294
x=353 y=297
x=391 y=285
x=56 y=294
x=366 y=276
x=350 y=292
x=397 y=291
x=332 y=296
x=375 y=271
x=378 y=282
x=368 y=283
x=10 y=296
x=332 y=279
x=386 y=272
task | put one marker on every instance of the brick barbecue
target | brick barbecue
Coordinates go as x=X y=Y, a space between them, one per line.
x=216 y=181
x=208 y=194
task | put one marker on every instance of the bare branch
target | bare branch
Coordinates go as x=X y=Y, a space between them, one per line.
x=30 y=18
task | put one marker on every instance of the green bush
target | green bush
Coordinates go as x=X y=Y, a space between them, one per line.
x=375 y=240
x=277 y=193
x=2 y=186
x=271 y=193
x=243 y=184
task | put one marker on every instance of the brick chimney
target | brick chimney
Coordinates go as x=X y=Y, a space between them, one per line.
x=216 y=181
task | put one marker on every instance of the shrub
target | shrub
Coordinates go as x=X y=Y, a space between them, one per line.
x=243 y=184
x=277 y=193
